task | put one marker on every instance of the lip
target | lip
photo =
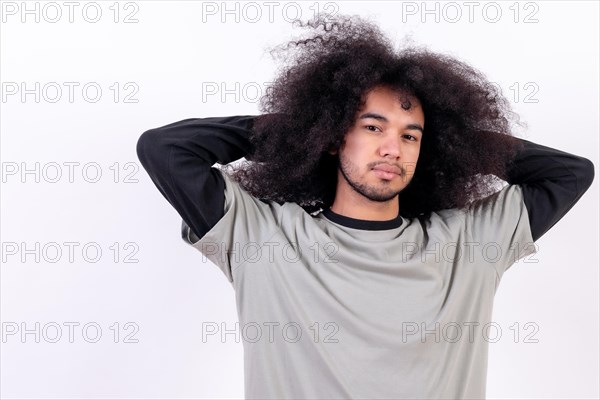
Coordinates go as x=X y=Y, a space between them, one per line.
x=387 y=168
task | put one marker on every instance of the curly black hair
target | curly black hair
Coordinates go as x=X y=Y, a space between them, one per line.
x=313 y=103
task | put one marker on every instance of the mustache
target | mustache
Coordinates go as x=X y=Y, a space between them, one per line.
x=401 y=169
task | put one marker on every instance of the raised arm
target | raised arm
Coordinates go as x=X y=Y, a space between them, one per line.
x=552 y=181
x=179 y=159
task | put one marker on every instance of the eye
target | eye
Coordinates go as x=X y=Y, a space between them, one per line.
x=371 y=126
x=411 y=136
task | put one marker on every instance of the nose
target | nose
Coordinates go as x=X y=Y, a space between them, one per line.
x=391 y=147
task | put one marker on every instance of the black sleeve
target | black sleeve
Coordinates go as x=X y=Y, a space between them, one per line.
x=179 y=159
x=552 y=181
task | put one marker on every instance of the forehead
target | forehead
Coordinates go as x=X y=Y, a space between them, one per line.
x=393 y=103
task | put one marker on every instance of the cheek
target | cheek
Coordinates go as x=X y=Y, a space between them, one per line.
x=410 y=160
x=416 y=156
x=354 y=151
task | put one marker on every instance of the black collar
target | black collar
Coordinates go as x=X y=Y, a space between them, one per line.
x=362 y=223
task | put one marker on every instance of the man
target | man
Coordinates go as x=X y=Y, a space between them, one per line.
x=370 y=176
x=385 y=290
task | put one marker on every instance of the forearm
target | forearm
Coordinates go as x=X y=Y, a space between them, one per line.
x=179 y=157
x=552 y=181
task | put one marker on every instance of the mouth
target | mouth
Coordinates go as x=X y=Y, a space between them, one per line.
x=388 y=168
x=384 y=174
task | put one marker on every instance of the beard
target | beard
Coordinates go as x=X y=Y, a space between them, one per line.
x=381 y=192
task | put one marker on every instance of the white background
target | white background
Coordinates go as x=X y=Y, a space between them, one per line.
x=168 y=55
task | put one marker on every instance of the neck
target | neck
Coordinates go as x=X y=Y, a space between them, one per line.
x=367 y=209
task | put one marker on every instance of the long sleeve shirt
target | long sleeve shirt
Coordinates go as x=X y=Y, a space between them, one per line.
x=336 y=307
x=179 y=159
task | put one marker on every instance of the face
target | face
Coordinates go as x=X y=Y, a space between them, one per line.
x=384 y=134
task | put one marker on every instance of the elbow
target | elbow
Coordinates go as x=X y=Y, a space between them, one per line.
x=585 y=175
x=139 y=147
x=145 y=143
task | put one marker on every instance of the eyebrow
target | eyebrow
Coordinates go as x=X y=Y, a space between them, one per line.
x=380 y=117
